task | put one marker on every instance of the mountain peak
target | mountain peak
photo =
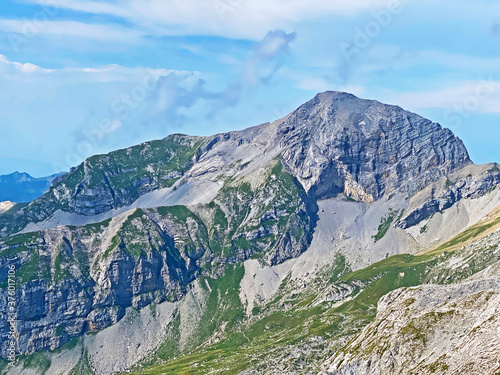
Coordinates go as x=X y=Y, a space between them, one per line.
x=22 y=187
x=335 y=143
x=339 y=143
x=336 y=95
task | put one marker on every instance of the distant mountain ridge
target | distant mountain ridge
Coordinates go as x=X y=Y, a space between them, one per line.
x=22 y=188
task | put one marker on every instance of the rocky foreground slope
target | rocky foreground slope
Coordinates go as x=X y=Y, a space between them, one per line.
x=434 y=329
x=168 y=256
x=430 y=329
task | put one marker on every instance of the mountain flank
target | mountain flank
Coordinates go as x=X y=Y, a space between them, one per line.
x=278 y=249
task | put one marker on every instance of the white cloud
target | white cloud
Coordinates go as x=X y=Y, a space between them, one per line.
x=55 y=113
x=457 y=61
x=23 y=68
x=27 y=30
x=481 y=96
x=86 y=6
x=72 y=103
x=229 y=18
x=108 y=73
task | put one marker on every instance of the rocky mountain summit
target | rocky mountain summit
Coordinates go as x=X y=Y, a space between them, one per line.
x=279 y=239
x=337 y=143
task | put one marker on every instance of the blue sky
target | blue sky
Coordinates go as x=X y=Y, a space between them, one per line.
x=84 y=77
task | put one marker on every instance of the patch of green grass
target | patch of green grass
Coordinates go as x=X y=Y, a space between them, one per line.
x=39 y=361
x=83 y=367
x=438 y=367
x=70 y=345
x=418 y=329
x=468 y=235
x=121 y=169
x=82 y=259
x=93 y=228
x=35 y=269
x=24 y=239
x=340 y=268
x=181 y=213
x=385 y=224
x=20 y=243
x=409 y=302
x=115 y=242
x=59 y=272
x=61 y=330
x=170 y=347
x=15 y=209
x=224 y=303
x=222 y=307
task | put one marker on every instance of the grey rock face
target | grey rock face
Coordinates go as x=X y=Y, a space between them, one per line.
x=74 y=280
x=456 y=188
x=79 y=279
x=435 y=329
x=429 y=329
x=49 y=317
x=337 y=143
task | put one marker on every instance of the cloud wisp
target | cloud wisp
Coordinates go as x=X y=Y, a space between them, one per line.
x=175 y=97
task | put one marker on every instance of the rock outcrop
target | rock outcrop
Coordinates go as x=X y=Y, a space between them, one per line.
x=469 y=182
x=435 y=329
x=74 y=280
x=429 y=330
x=337 y=143
x=79 y=279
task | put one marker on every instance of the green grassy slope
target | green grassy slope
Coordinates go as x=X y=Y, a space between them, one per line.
x=297 y=334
